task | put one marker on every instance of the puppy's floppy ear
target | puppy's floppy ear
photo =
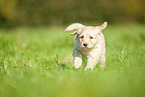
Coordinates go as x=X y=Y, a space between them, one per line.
x=74 y=26
x=74 y=33
x=103 y=26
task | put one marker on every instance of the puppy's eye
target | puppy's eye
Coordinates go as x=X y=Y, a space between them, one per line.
x=82 y=37
x=91 y=37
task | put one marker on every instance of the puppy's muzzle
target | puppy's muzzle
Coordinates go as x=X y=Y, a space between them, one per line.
x=85 y=44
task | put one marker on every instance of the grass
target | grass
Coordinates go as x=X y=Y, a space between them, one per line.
x=31 y=64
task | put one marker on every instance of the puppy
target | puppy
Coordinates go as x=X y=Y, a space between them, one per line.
x=89 y=43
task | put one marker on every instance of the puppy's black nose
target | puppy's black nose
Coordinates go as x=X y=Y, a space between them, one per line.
x=85 y=44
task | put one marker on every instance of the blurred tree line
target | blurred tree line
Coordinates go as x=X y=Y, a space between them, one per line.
x=59 y=12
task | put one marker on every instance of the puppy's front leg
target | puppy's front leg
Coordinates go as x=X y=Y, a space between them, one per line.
x=77 y=58
x=92 y=61
x=102 y=59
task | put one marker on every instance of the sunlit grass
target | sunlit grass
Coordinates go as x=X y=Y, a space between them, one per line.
x=32 y=64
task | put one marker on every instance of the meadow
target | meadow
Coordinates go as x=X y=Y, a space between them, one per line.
x=36 y=62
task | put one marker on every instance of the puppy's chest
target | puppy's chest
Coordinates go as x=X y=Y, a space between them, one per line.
x=85 y=53
x=89 y=53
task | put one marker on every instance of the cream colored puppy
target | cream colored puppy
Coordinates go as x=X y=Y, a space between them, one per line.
x=89 y=43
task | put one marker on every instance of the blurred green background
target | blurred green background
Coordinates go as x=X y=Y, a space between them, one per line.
x=60 y=12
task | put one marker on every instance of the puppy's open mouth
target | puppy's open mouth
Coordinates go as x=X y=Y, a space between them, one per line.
x=85 y=47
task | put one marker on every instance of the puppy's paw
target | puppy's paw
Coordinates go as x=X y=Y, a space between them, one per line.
x=77 y=66
x=88 y=69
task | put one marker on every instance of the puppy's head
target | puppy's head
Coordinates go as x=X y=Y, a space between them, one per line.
x=86 y=36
